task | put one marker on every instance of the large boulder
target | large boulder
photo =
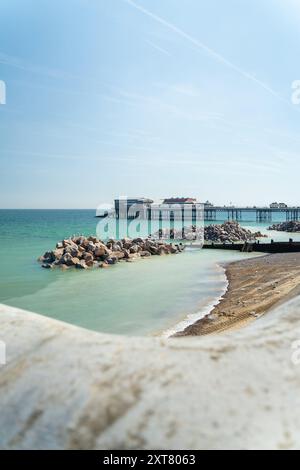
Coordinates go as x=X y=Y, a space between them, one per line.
x=79 y=240
x=88 y=256
x=81 y=265
x=84 y=242
x=154 y=250
x=66 y=259
x=58 y=253
x=118 y=254
x=127 y=245
x=93 y=239
x=47 y=266
x=90 y=247
x=49 y=257
x=116 y=247
x=111 y=260
x=75 y=261
x=103 y=265
x=138 y=240
x=81 y=249
x=100 y=250
x=67 y=242
x=72 y=249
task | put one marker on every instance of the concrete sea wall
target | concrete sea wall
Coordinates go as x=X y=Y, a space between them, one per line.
x=64 y=387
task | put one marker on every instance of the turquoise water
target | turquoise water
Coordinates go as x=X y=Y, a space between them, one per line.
x=141 y=298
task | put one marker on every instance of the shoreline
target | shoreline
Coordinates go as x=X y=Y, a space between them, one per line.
x=200 y=314
x=254 y=287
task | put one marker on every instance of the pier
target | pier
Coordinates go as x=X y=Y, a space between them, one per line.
x=179 y=208
x=260 y=214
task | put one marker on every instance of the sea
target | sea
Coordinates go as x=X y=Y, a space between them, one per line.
x=154 y=296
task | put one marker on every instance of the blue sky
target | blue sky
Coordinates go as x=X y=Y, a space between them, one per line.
x=149 y=98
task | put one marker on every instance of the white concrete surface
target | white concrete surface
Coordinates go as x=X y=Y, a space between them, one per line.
x=64 y=387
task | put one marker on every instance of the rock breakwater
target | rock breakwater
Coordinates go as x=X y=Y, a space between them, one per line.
x=88 y=252
x=228 y=232
x=292 y=226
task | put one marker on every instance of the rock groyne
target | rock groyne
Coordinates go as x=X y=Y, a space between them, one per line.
x=291 y=226
x=228 y=232
x=88 y=252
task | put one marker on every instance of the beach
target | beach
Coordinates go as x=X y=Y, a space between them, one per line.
x=145 y=297
x=158 y=296
x=254 y=287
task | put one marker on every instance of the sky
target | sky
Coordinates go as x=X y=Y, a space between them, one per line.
x=153 y=98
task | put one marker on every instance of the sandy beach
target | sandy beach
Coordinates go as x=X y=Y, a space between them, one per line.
x=254 y=287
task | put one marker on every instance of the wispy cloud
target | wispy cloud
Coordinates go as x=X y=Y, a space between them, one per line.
x=172 y=110
x=208 y=50
x=158 y=48
x=245 y=166
x=186 y=89
x=85 y=93
x=57 y=156
x=21 y=64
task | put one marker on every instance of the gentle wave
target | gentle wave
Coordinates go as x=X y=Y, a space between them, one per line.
x=194 y=317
